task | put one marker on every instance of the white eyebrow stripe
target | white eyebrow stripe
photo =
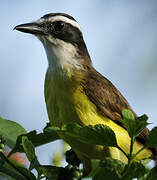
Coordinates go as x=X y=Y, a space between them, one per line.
x=66 y=20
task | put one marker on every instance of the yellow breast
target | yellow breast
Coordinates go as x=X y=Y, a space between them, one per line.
x=66 y=102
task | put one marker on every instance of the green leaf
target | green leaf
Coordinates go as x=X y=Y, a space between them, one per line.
x=114 y=164
x=151 y=140
x=98 y=134
x=127 y=114
x=10 y=174
x=134 y=170
x=36 y=139
x=95 y=168
x=153 y=174
x=134 y=125
x=27 y=173
x=51 y=172
x=141 y=123
x=129 y=121
x=106 y=173
x=16 y=169
x=10 y=130
x=30 y=152
x=51 y=129
x=28 y=148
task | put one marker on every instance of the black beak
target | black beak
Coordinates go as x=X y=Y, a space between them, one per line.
x=32 y=28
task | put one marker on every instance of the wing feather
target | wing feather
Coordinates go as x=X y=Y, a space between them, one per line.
x=108 y=100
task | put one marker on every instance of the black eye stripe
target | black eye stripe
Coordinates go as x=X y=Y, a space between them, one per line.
x=58 y=26
x=52 y=27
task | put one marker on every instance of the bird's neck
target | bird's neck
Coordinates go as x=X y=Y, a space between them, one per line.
x=65 y=61
x=62 y=57
x=66 y=56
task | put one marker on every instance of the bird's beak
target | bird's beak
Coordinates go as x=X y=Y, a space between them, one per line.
x=32 y=28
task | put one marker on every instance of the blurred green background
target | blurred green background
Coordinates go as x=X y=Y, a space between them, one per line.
x=121 y=37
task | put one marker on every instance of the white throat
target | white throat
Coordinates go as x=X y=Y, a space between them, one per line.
x=61 y=55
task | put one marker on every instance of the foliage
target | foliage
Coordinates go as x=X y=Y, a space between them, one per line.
x=15 y=136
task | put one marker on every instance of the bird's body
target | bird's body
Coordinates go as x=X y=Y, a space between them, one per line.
x=67 y=102
x=76 y=92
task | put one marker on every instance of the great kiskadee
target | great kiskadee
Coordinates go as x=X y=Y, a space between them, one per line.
x=76 y=92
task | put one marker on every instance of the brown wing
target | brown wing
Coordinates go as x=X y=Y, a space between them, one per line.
x=108 y=100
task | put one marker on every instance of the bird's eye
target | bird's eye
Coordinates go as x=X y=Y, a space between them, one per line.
x=58 y=26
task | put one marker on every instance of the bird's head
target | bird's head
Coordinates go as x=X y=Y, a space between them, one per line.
x=62 y=39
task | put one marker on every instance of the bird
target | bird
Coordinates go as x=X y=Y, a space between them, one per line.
x=76 y=92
